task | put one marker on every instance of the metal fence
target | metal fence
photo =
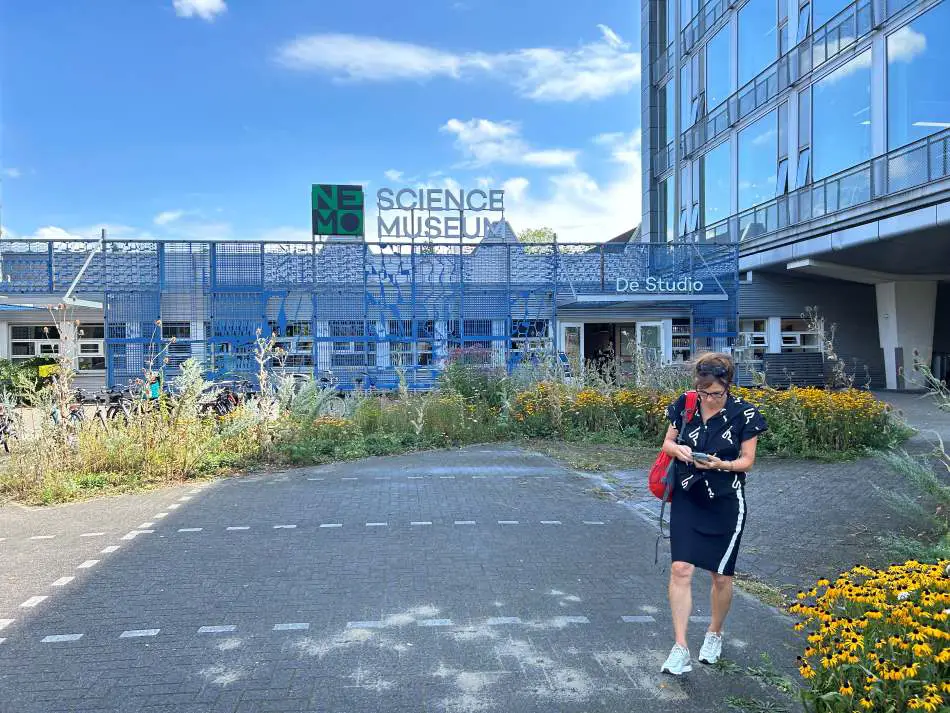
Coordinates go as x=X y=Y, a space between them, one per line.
x=363 y=314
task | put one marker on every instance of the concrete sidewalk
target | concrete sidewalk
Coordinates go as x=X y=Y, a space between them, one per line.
x=484 y=579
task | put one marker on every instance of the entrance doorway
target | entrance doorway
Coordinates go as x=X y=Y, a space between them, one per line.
x=612 y=348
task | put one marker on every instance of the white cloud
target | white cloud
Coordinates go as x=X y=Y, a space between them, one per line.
x=205 y=9
x=905 y=45
x=12 y=172
x=624 y=148
x=598 y=69
x=168 y=216
x=485 y=142
x=575 y=205
x=393 y=175
x=6 y=232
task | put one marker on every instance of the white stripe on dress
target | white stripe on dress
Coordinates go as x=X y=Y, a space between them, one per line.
x=735 y=535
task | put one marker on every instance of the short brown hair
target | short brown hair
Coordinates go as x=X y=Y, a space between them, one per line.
x=714 y=366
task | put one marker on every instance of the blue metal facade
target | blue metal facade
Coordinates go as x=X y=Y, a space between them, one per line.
x=367 y=314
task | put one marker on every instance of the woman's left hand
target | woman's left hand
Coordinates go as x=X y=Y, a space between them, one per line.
x=713 y=463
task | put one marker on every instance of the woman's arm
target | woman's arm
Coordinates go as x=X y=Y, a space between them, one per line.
x=743 y=463
x=674 y=449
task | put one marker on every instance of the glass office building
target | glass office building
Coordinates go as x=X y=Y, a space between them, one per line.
x=816 y=135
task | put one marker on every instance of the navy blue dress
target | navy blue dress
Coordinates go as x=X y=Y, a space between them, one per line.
x=708 y=509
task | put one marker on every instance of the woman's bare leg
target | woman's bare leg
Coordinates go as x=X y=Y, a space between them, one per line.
x=681 y=598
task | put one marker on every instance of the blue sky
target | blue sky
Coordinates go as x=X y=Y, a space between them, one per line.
x=211 y=118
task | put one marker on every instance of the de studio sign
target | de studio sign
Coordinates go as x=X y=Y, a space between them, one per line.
x=656 y=284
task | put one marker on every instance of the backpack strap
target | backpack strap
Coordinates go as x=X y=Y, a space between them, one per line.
x=691 y=400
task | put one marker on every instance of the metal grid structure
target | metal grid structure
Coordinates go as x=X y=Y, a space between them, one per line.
x=362 y=315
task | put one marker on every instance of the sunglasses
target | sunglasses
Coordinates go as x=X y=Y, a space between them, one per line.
x=715 y=370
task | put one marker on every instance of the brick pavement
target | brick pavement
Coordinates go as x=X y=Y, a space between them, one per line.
x=485 y=579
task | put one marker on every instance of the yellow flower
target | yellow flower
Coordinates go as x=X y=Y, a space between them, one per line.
x=846 y=689
x=866 y=703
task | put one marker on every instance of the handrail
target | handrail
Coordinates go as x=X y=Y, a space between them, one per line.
x=819 y=47
x=918 y=163
x=704 y=19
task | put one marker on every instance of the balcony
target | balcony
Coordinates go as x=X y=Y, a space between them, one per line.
x=904 y=169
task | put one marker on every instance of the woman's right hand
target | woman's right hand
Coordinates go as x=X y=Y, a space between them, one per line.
x=683 y=453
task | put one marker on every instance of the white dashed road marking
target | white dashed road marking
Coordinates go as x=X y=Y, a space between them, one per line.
x=550 y=522
x=435 y=622
x=174 y=506
x=639 y=619
x=32 y=602
x=217 y=629
x=332 y=524
x=349 y=478
x=132 y=535
x=92 y=534
x=87 y=564
x=377 y=524
x=63 y=581
x=572 y=619
x=110 y=549
x=4 y=623
x=285 y=527
x=145 y=525
x=593 y=522
x=42 y=537
x=190 y=529
x=464 y=522
x=135 y=633
x=57 y=638
x=423 y=522
x=365 y=624
x=507 y=522
x=700 y=619
x=291 y=627
x=160 y=515
x=240 y=527
x=497 y=620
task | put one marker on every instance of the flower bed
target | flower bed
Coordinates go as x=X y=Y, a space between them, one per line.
x=879 y=640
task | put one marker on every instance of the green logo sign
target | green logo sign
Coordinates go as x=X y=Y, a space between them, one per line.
x=337 y=210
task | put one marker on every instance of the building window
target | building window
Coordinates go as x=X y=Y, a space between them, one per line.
x=686 y=98
x=296 y=339
x=797 y=338
x=180 y=350
x=355 y=351
x=530 y=339
x=668 y=112
x=753 y=341
x=758 y=46
x=825 y=10
x=842 y=116
x=918 y=95
x=667 y=211
x=758 y=161
x=804 y=22
x=410 y=342
x=717 y=174
x=718 y=68
x=32 y=341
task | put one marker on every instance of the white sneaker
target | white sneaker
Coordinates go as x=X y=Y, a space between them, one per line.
x=712 y=648
x=678 y=662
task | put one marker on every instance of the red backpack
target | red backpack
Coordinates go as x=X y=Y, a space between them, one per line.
x=661 y=482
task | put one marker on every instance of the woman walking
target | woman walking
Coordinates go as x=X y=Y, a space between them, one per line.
x=714 y=449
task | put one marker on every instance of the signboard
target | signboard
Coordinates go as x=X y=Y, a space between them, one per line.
x=337 y=210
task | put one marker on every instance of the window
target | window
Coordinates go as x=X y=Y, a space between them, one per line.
x=668 y=112
x=802 y=175
x=688 y=8
x=530 y=339
x=33 y=340
x=350 y=344
x=825 y=10
x=757 y=38
x=804 y=22
x=667 y=213
x=686 y=98
x=409 y=348
x=918 y=96
x=717 y=175
x=666 y=23
x=718 y=74
x=804 y=118
x=296 y=340
x=180 y=350
x=758 y=152
x=842 y=117
x=782 y=186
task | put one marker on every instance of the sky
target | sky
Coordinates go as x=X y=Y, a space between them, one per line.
x=212 y=118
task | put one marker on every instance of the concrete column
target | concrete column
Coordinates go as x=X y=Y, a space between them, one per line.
x=773 y=331
x=905 y=318
x=4 y=340
x=666 y=340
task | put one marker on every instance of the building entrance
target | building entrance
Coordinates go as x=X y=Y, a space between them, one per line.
x=613 y=348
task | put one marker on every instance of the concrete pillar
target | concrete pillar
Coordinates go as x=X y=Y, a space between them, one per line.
x=666 y=341
x=905 y=318
x=4 y=340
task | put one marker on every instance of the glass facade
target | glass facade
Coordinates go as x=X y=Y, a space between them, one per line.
x=918 y=95
x=841 y=104
x=717 y=178
x=758 y=44
x=758 y=170
x=668 y=112
x=825 y=10
x=718 y=74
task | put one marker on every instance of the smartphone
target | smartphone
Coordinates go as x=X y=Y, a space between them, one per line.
x=700 y=456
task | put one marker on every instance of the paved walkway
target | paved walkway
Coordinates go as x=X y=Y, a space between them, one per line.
x=476 y=580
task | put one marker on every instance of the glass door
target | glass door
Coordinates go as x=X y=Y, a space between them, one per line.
x=572 y=346
x=650 y=342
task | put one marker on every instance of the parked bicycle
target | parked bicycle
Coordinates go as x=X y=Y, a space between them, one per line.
x=8 y=427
